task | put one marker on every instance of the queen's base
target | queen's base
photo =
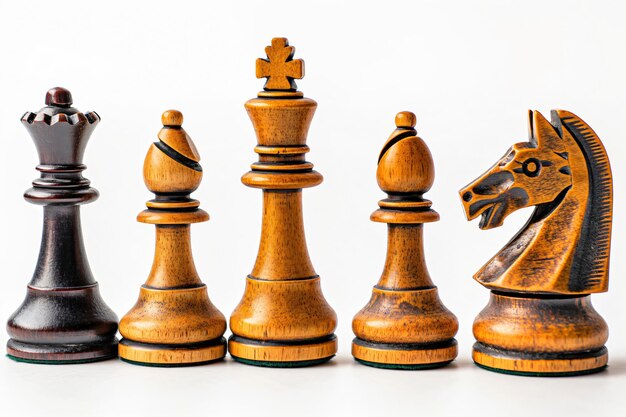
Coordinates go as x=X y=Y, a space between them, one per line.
x=60 y=354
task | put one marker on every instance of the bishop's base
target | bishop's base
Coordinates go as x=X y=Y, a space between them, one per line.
x=55 y=354
x=149 y=354
x=404 y=355
x=540 y=364
x=282 y=354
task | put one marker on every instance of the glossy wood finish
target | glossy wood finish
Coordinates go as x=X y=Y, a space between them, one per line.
x=537 y=335
x=405 y=325
x=280 y=68
x=283 y=319
x=63 y=318
x=540 y=320
x=173 y=323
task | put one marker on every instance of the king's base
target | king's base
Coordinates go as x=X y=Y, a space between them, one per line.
x=282 y=354
x=149 y=354
x=540 y=364
x=60 y=354
x=404 y=355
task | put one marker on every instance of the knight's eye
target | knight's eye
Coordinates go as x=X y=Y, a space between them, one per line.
x=531 y=167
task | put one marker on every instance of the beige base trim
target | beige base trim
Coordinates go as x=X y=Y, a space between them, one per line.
x=287 y=353
x=171 y=356
x=405 y=357
x=546 y=366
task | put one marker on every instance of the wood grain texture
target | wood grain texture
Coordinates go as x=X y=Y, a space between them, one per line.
x=540 y=336
x=541 y=279
x=173 y=322
x=280 y=68
x=405 y=325
x=171 y=355
x=282 y=355
x=541 y=325
x=63 y=318
x=283 y=319
x=284 y=310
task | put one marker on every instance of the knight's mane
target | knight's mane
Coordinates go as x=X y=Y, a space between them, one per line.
x=591 y=258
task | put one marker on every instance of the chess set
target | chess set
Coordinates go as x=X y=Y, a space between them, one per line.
x=539 y=320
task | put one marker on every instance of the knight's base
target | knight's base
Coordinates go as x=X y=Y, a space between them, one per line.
x=538 y=364
x=404 y=356
x=540 y=335
x=148 y=354
x=282 y=354
x=52 y=354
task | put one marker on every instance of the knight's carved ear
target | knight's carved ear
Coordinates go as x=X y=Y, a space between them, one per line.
x=530 y=126
x=543 y=134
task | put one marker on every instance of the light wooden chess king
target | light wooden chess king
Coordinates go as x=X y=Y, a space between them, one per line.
x=173 y=323
x=539 y=320
x=283 y=319
x=405 y=325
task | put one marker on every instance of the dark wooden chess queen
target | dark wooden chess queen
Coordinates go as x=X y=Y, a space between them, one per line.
x=539 y=320
x=173 y=322
x=63 y=318
x=283 y=319
x=405 y=325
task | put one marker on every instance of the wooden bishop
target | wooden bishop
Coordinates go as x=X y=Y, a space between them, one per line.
x=173 y=323
x=283 y=319
x=405 y=325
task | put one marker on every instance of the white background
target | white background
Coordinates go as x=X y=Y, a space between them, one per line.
x=469 y=70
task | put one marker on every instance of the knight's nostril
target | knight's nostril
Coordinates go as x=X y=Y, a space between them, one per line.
x=467 y=196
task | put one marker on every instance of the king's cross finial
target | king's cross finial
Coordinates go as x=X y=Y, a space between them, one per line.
x=280 y=69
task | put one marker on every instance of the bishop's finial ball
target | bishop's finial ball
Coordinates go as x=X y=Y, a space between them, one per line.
x=59 y=96
x=172 y=118
x=406 y=119
x=405 y=165
x=172 y=163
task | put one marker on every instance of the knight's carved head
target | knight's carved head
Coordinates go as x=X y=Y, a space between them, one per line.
x=529 y=174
